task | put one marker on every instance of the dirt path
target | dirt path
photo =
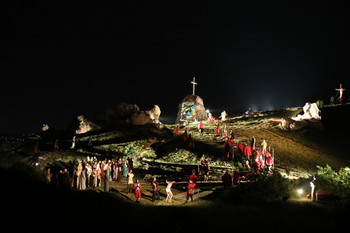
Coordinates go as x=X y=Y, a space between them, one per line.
x=203 y=189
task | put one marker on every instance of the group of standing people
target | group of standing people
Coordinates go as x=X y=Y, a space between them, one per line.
x=91 y=172
x=258 y=158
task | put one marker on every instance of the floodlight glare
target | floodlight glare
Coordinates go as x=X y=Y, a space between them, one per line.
x=300 y=191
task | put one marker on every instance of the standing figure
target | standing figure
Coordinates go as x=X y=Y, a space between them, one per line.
x=228 y=148
x=168 y=191
x=155 y=189
x=217 y=129
x=223 y=115
x=185 y=135
x=193 y=176
x=130 y=182
x=225 y=132
x=232 y=134
x=235 y=176
x=90 y=141
x=203 y=168
x=56 y=147
x=137 y=190
x=253 y=143
x=48 y=176
x=125 y=169
x=314 y=187
x=177 y=130
x=201 y=127
x=190 y=141
x=130 y=163
x=190 y=190
x=226 y=180
x=82 y=177
x=264 y=147
x=269 y=161
x=73 y=142
x=107 y=177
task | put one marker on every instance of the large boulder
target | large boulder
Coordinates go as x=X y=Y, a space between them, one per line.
x=84 y=125
x=126 y=113
x=311 y=112
x=191 y=109
x=146 y=117
x=154 y=114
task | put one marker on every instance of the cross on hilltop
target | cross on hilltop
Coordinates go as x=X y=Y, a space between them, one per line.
x=340 y=89
x=194 y=85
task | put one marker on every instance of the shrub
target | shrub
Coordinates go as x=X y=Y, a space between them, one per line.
x=334 y=182
x=268 y=187
x=319 y=103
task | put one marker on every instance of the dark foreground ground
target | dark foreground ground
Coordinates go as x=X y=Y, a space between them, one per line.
x=29 y=206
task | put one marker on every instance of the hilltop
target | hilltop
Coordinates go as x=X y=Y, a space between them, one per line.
x=156 y=151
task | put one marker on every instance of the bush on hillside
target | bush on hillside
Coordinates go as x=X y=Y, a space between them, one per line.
x=268 y=187
x=319 y=103
x=334 y=182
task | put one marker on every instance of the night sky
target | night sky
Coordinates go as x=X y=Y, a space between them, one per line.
x=60 y=61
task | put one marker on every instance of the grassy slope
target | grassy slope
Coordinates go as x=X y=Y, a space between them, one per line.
x=299 y=151
x=296 y=152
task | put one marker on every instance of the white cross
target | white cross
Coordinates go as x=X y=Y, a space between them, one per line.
x=194 y=85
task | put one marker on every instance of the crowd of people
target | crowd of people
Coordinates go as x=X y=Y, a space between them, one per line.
x=92 y=173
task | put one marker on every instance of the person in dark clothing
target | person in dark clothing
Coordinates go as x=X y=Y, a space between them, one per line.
x=64 y=179
x=227 y=180
x=155 y=189
x=314 y=187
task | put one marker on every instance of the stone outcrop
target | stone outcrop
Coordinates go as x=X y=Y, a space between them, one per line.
x=126 y=113
x=311 y=118
x=311 y=111
x=84 y=125
x=191 y=109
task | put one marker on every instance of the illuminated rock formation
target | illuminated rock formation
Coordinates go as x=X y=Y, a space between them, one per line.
x=191 y=109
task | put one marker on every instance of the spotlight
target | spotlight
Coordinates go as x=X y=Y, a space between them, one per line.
x=300 y=191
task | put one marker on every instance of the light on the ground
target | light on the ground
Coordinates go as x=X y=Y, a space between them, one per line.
x=300 y=191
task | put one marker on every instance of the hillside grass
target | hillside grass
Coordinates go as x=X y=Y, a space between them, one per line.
x=297 y=155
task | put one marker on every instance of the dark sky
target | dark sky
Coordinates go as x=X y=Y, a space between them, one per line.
x=60 y=61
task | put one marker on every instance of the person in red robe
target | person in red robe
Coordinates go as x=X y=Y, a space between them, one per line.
x=258 y=161
x=211 y=118
x=240 y=148
x=177 y=130
x=269 y=160
x=217 y=129
x=201 y=127
x=193 y=176
x=247 y=151
x=137 y=190
x=229 y=148
x=190 y=190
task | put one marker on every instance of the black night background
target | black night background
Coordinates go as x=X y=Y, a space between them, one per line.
x=62 y=60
